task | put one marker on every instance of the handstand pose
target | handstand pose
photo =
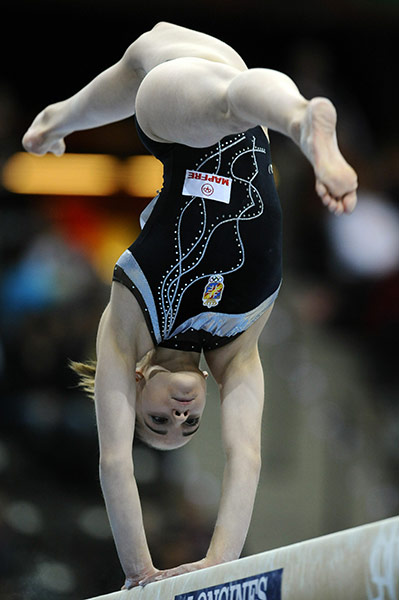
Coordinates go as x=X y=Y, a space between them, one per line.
x=206 y=269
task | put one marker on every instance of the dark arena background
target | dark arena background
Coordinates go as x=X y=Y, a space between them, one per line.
x=331 y=424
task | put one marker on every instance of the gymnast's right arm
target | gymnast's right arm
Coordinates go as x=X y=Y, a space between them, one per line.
x=115 y=390
x=108 y=98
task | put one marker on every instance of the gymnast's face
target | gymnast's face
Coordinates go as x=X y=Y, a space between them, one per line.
x=169 y=405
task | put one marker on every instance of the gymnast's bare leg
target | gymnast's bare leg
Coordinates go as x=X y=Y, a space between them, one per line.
x=190 y=88
x=205 y=101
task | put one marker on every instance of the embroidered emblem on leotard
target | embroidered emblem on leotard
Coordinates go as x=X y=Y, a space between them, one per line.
x=213 y=291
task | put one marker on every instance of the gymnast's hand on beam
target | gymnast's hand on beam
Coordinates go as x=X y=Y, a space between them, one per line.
x=135 y=581
x=186 y=568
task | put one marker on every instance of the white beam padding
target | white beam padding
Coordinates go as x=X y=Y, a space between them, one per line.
x=357 y=564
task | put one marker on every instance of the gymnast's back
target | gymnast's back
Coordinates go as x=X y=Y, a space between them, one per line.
x=165 y=42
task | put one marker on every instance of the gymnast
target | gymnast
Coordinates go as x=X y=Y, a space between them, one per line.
x=206 y=269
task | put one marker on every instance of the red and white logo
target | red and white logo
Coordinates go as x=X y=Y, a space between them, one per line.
x=207 y=189
x=207 y=185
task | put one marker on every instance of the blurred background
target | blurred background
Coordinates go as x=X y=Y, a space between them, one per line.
x=331 y=424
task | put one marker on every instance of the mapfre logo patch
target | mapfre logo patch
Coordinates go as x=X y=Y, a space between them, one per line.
x=206 y=185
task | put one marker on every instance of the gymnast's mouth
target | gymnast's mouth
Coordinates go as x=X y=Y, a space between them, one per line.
x=183 y=400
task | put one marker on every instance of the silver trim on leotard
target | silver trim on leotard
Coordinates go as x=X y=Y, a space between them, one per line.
x=224 y=324
x=131 y=267
x=220 y=324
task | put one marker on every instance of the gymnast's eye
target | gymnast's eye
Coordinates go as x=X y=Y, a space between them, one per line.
x=159 y=420
x=192 y=421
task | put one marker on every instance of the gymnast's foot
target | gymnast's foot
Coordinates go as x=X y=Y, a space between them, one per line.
x=336 y=181
x=43 y=136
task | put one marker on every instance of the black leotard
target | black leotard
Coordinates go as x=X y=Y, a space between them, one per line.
x=203 y=269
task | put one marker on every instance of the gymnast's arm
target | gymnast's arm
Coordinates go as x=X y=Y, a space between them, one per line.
x=108 y=98
x=242 y=396
x=115 y=391
x=240 y=379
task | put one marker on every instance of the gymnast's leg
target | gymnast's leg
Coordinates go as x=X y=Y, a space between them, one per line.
x=197 y=102
x=310 y=124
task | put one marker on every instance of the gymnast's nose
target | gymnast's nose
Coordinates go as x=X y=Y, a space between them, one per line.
x=180 y=415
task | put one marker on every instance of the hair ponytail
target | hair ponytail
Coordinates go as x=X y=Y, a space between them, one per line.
x=86 y=372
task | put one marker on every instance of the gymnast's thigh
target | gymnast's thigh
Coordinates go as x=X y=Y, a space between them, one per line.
x=185 y=101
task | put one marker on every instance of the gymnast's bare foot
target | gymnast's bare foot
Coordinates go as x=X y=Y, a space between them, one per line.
x=336 y=181
x=42 y=136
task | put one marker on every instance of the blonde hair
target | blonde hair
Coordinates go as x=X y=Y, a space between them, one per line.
x=86 y=372
x=146 y=360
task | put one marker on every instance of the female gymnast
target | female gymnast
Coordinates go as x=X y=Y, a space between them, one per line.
x=205 y=271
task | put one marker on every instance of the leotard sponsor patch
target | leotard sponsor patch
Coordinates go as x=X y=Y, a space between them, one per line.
x=207 y=185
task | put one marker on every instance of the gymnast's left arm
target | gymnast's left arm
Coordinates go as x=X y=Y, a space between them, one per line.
x=242 y=399
x=242 y=396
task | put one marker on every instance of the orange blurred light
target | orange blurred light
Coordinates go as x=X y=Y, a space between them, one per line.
x=72 y=174
x=81 y=175
x=142 y=176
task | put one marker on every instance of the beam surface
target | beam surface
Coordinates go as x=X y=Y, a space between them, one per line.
x=357 y=564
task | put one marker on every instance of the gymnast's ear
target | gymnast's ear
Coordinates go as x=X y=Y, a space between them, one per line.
x=139 y=375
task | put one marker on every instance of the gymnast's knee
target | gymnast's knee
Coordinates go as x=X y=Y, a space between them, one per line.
x=249 y=88
x=238 y=95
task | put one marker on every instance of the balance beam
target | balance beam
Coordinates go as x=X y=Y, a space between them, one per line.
x=357 y=564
